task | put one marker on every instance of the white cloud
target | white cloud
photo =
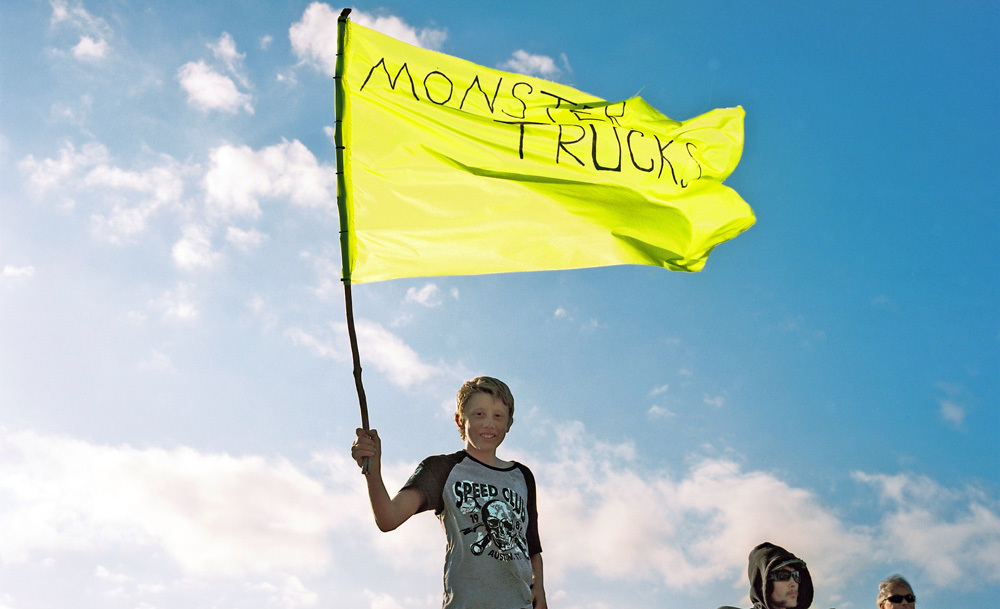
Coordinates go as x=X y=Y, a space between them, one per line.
x=653 y=527
x=94 y=31
x=953 y=536
x=76 y=16
x=208 y=90
x=244 y=240
x=658 y=390
x=292 y=593
x=156 y=362
x=132 y=196
x=603 y=514
x=18 y=272
x=211 y=513
x=177 y=304
x=310 y=36
x=380 y=600
x=239 y=177
x=390 y=25
x=265 y=41
x=194 y=249
x=102 y=572
x=48 y=174
x=798 y=325
x=390 y=355
x=89 y=49
x=524 y=62
x=328 y=270
x=225 y=51
x=317 y=346
x=718 y=401
x=952 y=412
x=263 y=311
x=428 y=296
x=659 y=412
x=157 y=187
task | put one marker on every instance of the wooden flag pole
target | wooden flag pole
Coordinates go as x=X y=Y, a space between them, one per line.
x=344 y=229
x=357 y=365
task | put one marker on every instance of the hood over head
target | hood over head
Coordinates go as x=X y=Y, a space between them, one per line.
x=768 y=557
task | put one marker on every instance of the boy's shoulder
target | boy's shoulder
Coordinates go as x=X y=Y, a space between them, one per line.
x=450 y=460
x=454 y=457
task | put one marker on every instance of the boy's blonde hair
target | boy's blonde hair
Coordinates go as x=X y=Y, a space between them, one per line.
x=482 y=384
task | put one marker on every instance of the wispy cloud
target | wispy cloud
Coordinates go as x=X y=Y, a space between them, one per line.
x=675 y=531
x=952 y=413
x=47 y=174
x=244 y=240
x=127 y=199
x=400 y=363
x=953 y=408
x=951 y=535
x=658 y=390
x=239 y=177
x=177 y=304
x=717 y=401
x=543 y=66
x=209 y=90
x=19 y=272
x=429 y=295
x=659 y=412
x=94 y=31
x=194 y=249
x=212 y=513
x=224 y=50
x=89 y=49
x=602 y=512
x=310 y=36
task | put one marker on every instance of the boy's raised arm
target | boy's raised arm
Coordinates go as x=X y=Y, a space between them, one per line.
x=389 y=513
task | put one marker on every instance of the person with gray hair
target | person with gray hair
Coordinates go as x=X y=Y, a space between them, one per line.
x=894 y=592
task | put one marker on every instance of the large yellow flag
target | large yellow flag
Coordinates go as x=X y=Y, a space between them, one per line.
x=451 y=168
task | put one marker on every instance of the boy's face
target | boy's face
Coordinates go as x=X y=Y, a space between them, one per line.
x=487 y=421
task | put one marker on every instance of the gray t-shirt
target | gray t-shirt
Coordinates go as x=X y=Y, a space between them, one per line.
x=491 y=522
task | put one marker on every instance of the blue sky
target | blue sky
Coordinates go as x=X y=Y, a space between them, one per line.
x=176 y=398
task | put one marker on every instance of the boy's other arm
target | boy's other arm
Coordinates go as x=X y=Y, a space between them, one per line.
x=537 y=583
x=389 y=513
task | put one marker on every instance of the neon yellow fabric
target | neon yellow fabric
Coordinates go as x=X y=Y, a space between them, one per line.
x=451 y=168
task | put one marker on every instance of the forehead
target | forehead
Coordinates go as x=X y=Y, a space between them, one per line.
x=898 y=589
x=485 y=401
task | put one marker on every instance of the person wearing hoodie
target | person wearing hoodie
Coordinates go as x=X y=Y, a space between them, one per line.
x=778 y=579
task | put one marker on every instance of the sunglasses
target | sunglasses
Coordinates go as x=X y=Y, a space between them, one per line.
x=783 y=575
x=898 y=598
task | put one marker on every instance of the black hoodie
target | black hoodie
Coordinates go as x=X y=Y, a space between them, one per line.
x=768 y=557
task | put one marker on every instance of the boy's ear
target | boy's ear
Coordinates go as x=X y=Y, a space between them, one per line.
x=458 y=420
x=510 y=423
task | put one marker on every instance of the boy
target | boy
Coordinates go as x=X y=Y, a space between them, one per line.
x=486 y=505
